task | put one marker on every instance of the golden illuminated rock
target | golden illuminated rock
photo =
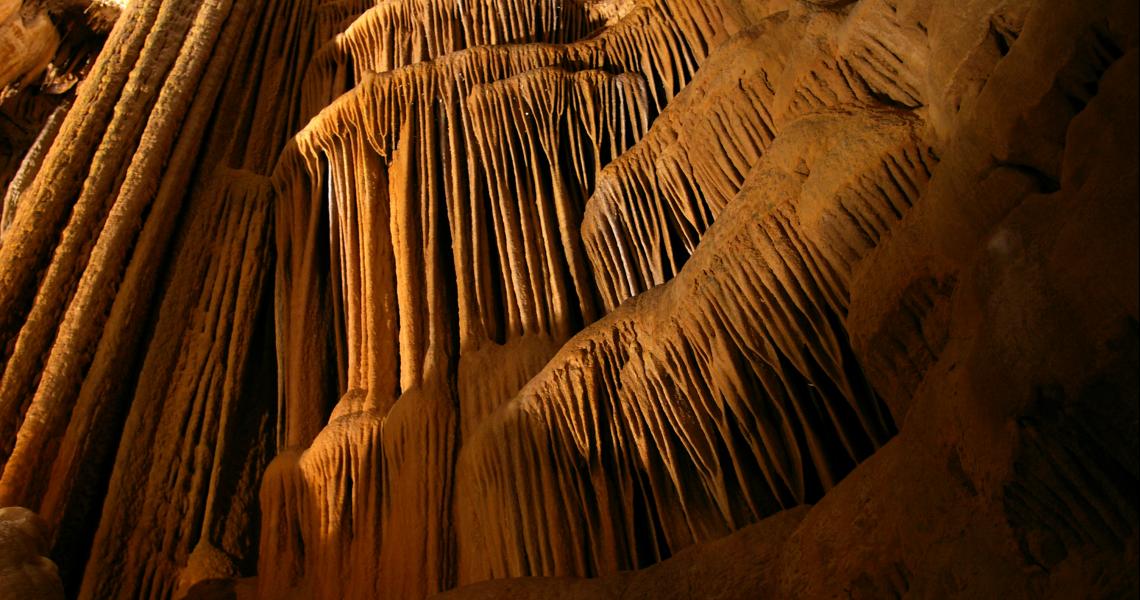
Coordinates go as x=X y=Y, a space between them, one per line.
x=569 y=299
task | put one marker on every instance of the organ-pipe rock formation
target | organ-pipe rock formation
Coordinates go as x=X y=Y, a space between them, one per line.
x=325 y=299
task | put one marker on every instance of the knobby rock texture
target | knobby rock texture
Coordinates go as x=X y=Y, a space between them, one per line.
x=324 y=299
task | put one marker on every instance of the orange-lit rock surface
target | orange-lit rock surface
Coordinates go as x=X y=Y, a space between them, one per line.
x=24 y=570
x=570 y=299
x=46 y=48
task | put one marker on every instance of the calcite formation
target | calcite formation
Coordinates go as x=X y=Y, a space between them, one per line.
x=47 y=47
x=24 y=570
x=569 y=299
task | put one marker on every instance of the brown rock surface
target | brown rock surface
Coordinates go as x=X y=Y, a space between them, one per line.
x=569 y=299
x=47 y=47
x=25 y=572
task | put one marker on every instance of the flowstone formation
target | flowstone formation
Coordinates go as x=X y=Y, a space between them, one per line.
x=569 y=299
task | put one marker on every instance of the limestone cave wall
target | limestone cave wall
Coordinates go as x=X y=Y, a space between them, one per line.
x=569 y=299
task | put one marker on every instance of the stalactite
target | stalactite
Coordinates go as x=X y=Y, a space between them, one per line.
x=376 y=153
x=653 y=418
x=582 y=298
x=654 y=202
x=191 y=390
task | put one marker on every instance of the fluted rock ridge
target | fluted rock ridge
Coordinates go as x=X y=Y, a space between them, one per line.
x=576 y=298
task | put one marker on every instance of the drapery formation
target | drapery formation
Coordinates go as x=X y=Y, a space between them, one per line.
x=343 y=299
